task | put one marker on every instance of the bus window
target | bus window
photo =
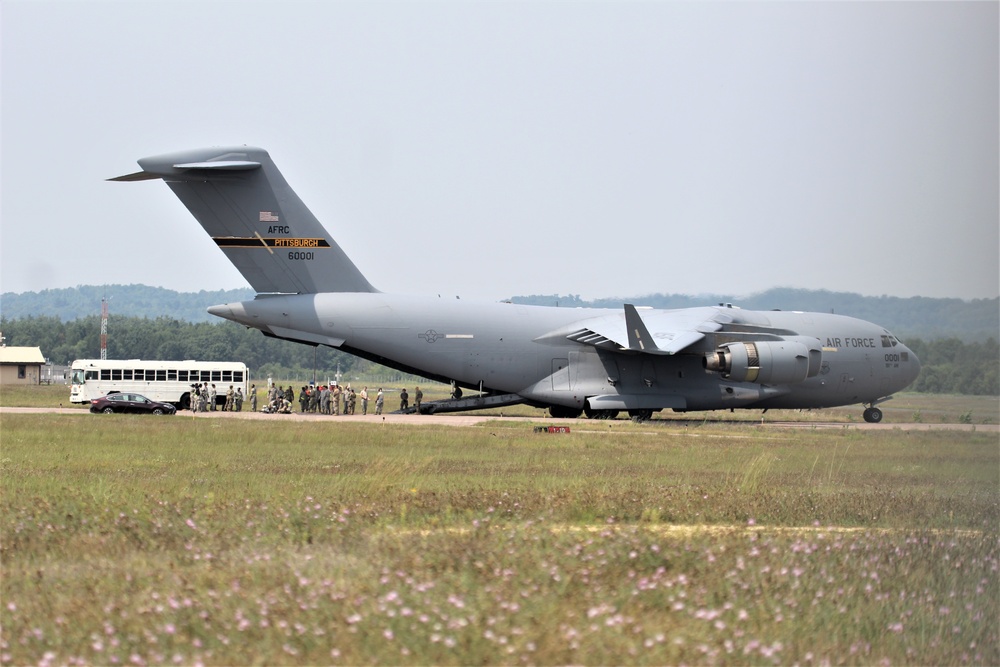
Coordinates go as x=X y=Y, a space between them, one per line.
x=206 y=376
x=105 y=373
x=91 y=375
x=227 y=376
x=116 y=374
x=138 y=373
x=127 y=374
x=161 y=376
x=237 y=376
x=216 y=376
x=182 y=376
x=78 y=376
x=171 y=376
x=150 y=376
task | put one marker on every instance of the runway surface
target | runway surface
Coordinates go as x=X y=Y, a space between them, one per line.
x=459 y=419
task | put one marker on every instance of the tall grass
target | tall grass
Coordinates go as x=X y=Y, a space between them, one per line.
x=178 y=540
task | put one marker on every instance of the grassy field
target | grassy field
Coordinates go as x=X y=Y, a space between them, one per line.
x=146 y=540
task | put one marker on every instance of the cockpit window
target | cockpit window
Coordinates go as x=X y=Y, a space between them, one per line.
x=888 y=340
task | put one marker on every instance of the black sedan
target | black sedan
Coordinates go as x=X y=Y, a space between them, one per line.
x=136 y=403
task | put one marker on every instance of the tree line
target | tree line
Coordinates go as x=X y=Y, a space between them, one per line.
x=165 y=338
x=949 y=365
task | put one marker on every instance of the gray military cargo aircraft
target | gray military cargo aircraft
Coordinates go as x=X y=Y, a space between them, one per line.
x=573 y=361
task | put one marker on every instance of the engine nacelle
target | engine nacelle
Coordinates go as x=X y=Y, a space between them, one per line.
x=767 y=362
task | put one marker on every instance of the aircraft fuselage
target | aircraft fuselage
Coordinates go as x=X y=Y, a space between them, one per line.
x=511 y=348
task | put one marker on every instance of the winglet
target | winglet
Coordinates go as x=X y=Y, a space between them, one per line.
x=639 y=338
x=654 y=332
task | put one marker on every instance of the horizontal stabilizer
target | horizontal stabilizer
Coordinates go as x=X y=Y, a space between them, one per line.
x=137 y=176
x=221 y=165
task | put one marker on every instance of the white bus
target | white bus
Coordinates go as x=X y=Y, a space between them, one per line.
x=166 y=381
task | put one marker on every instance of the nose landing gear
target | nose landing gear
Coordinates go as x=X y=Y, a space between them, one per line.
x=872 y=415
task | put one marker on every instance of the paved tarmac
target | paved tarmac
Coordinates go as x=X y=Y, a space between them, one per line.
x=464 y=419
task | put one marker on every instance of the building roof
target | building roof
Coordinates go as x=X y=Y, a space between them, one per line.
x=21 y=355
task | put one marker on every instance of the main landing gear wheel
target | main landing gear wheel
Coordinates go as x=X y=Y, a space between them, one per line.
x=562 y=412
x=640 y=415
x=600 y=414
x=872 y=415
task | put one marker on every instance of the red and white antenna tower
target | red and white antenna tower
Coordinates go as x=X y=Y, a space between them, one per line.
x=104 y=328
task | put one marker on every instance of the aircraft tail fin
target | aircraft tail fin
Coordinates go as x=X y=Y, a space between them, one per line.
x=246 y=206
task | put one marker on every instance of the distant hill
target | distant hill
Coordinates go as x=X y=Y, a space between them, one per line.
x=126 y=300
x=916 y=317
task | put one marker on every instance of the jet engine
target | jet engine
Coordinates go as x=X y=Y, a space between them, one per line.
x=767 y=362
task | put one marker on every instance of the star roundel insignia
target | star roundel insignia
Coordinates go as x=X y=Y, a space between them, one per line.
x=430 y=335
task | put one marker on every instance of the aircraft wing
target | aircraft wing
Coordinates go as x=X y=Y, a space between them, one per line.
x=650 y=331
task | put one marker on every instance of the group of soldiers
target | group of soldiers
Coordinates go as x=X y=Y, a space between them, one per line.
x=204 y=397
x=336 y=400
x=278 y=400
x=327 y=400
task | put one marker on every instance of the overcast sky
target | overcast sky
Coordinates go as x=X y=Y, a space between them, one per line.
x=496 y=149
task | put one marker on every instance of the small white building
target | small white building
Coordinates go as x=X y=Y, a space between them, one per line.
x=21 y=365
